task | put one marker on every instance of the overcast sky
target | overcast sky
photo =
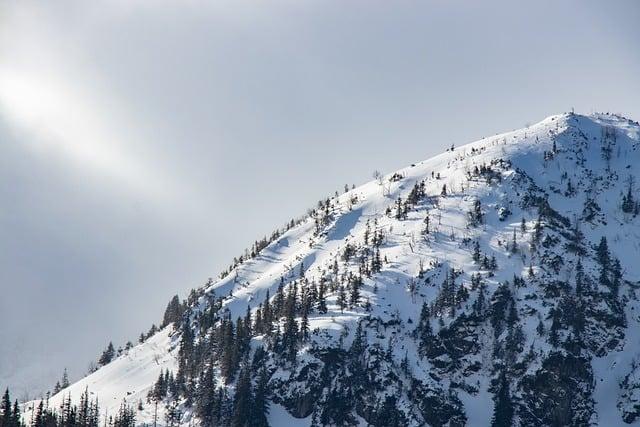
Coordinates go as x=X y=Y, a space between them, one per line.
x=144 y=144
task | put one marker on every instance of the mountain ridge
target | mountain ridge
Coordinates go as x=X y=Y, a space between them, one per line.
x=449 y=289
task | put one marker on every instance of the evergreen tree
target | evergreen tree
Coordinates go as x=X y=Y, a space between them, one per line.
x=628 y=203
x=580 y=279
x=65 y=379
x=304 y=325
x=6 y=418
x=342 y=297
x=107 y=355
x=16 y=420
x=602 y=254
x=267 y=315
x=39 y=417
x=514 y=243
x=424 y=330
x=322 y=302
x=503 y=405
x=228 y=362
x=83 y=411
x=260 y=407
x=278 y=304
x=354 y=297
x=290 y=336
x=476 y=216
x=480 y=303
x=555 y=326
x=388 y=415
x=173 y=312
x=425 y=230
x=126 y=416
x=476 y=251
x=242 y=401
x=207 y=405
x=616 y=272
x=173 y=414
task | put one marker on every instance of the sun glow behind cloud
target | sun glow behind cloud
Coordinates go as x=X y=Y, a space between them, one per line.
x=58 y=119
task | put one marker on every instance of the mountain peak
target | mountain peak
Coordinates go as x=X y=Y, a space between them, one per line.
x=460 y=288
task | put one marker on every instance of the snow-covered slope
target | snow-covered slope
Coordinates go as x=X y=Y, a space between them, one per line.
x=454 y=288
x=129 y=377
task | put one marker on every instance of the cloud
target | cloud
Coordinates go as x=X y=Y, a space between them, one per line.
x=50 y=95
x=58 y=120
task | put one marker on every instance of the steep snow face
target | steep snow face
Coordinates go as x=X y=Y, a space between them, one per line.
x=471 y=281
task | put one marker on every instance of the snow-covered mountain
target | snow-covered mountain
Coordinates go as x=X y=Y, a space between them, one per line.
x=496 y=281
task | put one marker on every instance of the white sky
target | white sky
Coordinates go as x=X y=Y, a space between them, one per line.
x=144 y=144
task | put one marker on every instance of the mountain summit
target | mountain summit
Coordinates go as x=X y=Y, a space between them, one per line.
x=494 y=284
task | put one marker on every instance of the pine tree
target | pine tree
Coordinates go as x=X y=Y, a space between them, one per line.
x=503 y=405
x=389 y=416
x=107 y=355
x=267 y=315
x=242 y=401
x=322 y=302
x=291 y=331
x=15 y=414
x=480 y=303
x=475 y=215
x=354 y=297
x=304 y=325
x=602 y=254
x=426 y=230
x=6 y=418
x=186 y=340
x=173 y=312
x=342 y=298
x=39 y=416
x=537 y=231
x=65 y=379
x=207 y=406
x=424 y=330
x=367 y=231
x=580 y=279
x=84 y=415
x=555 y=327
x=628 y=203
x=278 y=304
x=616 y=272
x=399 y=210
x=159 y=391
x=126 y=417
x=603 y=257
x=476 y=251
x=514 y=243
x=260 y=407
x=173 y=414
